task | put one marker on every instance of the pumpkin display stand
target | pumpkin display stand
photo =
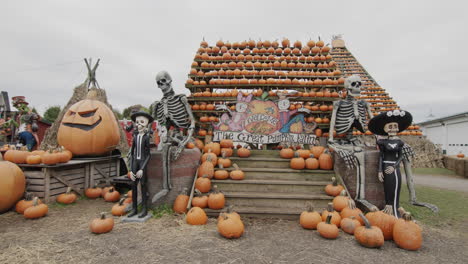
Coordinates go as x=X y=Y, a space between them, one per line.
x=49 y=181
x=182 y=173
x=374 y=188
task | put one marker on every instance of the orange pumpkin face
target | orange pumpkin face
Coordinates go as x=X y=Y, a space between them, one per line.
x=88 y=128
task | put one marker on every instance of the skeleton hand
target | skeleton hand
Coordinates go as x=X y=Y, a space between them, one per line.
x=302 y=109
x=381 y=176
x=349 y=158
x=180 y=148
x=221 y=107
x=389 y=170
x=132 y=176
x=139 y=174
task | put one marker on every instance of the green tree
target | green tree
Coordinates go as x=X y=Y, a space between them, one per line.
x=127 y=112
x=118 y=114
x=51 y=113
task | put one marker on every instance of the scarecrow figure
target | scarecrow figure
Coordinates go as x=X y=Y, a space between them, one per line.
x=140 y=155
x=347 y=114
x=392 y=152
x=172 y=111
x=26 y=123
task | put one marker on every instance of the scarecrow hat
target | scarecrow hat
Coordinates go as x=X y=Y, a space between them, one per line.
x=142 y=113
x=377 y=123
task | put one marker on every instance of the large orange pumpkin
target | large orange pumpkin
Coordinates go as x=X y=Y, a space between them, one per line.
x=12 y=185
x=89 y=128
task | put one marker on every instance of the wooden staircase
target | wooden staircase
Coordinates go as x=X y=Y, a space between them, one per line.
x=271 y=188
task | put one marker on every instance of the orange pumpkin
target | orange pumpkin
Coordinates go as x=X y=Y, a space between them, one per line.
x=216 y=199
x=12 y=185
x=67 y=198
x=200 y=200
x=352 y=211
x=287 y=153
x=226 y=143
x=340 y=202
x=369 y=236
x=348 y=225
x=311 y=163
x=326 y=161
x=309 y=219
x=203 y=184
x=317 y=150
x=181 y=202
x=334 y=189
x=206 y=168
x=303 y=153
x=406 y=233
x=327 y=229
x=119 y=208
x=383 y=221
x=336 y=218
x=297 y=162
x=213 y=157
x=24 y=204
x=237 y=174
x=89 y=127
x=37 y=210
x=243 y=152
x=101 y=225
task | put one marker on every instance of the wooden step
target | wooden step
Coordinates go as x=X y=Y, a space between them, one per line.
x=276 y=199
x=261 y=162
x=260 y=173
x=264 y=212
x=282 y=186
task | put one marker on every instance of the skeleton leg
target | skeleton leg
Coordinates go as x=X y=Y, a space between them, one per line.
x=412 y=191
x=166 y=172
x=361 y=179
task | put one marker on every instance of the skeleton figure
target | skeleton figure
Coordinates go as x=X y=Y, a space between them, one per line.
x=173 y=110
x=140 y=155
x=393 y=151
x=347 y=114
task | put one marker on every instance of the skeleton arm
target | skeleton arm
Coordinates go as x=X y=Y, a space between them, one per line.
x=224 y=107
x=191 y=128
x=331 y=142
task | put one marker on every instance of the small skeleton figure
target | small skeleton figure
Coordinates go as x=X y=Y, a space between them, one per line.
x=172 y=111
x=347 y=114
x=392 y=152
x=140 y=155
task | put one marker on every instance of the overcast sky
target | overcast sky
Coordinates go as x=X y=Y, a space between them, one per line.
x=414 y=49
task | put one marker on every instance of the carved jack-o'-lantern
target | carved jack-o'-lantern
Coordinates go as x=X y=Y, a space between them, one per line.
x=89 y=128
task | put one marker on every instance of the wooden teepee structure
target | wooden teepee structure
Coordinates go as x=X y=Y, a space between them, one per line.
x=79 y=93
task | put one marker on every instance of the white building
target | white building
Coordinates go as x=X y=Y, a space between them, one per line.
x=450 y=133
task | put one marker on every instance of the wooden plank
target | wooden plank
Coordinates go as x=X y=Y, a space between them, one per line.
x=35 y=181
x=91 y=172
x=87 y=182
x=67 y=183
x=78 y=183
x=39 y=194
x=47 y=185
x=117 y=166
x=34 y=174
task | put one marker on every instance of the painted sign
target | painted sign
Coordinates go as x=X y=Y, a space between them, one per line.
x=263 y=121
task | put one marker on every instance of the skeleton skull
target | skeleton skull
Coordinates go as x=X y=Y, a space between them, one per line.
x=141 y=123
x=353 y=85
x=391 y=128
x=164 y=81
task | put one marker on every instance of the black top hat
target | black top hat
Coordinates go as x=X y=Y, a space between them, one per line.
x=377 y=123
x=141 y=113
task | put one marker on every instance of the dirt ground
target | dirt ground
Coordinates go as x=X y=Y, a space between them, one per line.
x=64 y=237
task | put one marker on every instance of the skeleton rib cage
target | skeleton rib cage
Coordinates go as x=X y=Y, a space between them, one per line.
x=345 y=116
x=172 y=108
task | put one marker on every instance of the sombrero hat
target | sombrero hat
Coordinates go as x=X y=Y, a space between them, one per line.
x=377 y=123
x=141 y=113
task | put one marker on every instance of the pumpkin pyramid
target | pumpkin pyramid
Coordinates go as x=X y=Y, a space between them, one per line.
x=80 y=93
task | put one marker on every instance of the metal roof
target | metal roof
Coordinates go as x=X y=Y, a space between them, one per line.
x=441 y=119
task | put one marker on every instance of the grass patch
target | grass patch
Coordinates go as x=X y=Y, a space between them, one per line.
x=161 y=210
x=433 y=171
x=452 y=206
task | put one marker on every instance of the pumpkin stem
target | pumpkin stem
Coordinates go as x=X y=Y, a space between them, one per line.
x=35 y=201
x=366 y=221
x=329 y=217
x=184 y=191
x=330 y=207
x=235 y=166
x=28 y=196
x=103 y=215
x=221 y=166
x=197 y=192
x=343 y=193
x=122 y=200
x=310 y=208
x=111 y=189
x=334 y=182
x=69 y=190
x=230 y=208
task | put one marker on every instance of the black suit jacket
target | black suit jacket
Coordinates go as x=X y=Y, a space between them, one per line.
x=145 y=152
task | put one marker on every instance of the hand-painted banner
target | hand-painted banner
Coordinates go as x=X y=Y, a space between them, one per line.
x=265 y=139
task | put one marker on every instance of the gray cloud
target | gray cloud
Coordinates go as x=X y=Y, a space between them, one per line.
x=414 y=49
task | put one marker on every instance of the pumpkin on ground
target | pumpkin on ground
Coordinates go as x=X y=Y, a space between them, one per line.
x=203 y=184
x=287 y=153
x=24 y=204
x=216 y=199
x=311 y=163
x=206 y=168
x=336 y=218
x=196 y=216
x=112 y=196
x=326 y=161
x=327 y=229
x=37 y=210
x=243 y=152
x=229 y=211
x=349 y=224
x=309 y=219
x=200 y=200
x=229 y=226
x=237 y=174
x=119 y=208
x=181 y=202
x=352 y=211
x=102 y=224
x=334 y=189
x=340 y=202
x=67 y=198
x=383 y=221
x=89 y=127
x=297 y=163
x=406 y=233
x=369 y=236
x=12 y=185
x=221 y=174
x=105 y=190
x=93 y=193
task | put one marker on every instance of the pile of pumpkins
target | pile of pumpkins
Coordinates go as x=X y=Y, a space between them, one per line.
x=370 y=230
x=50 y=157
x=317 y=157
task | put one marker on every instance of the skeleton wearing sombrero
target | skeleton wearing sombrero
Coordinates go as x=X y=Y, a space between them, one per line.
x=393 y=151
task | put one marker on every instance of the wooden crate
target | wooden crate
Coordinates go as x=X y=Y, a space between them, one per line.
x=47 y=182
